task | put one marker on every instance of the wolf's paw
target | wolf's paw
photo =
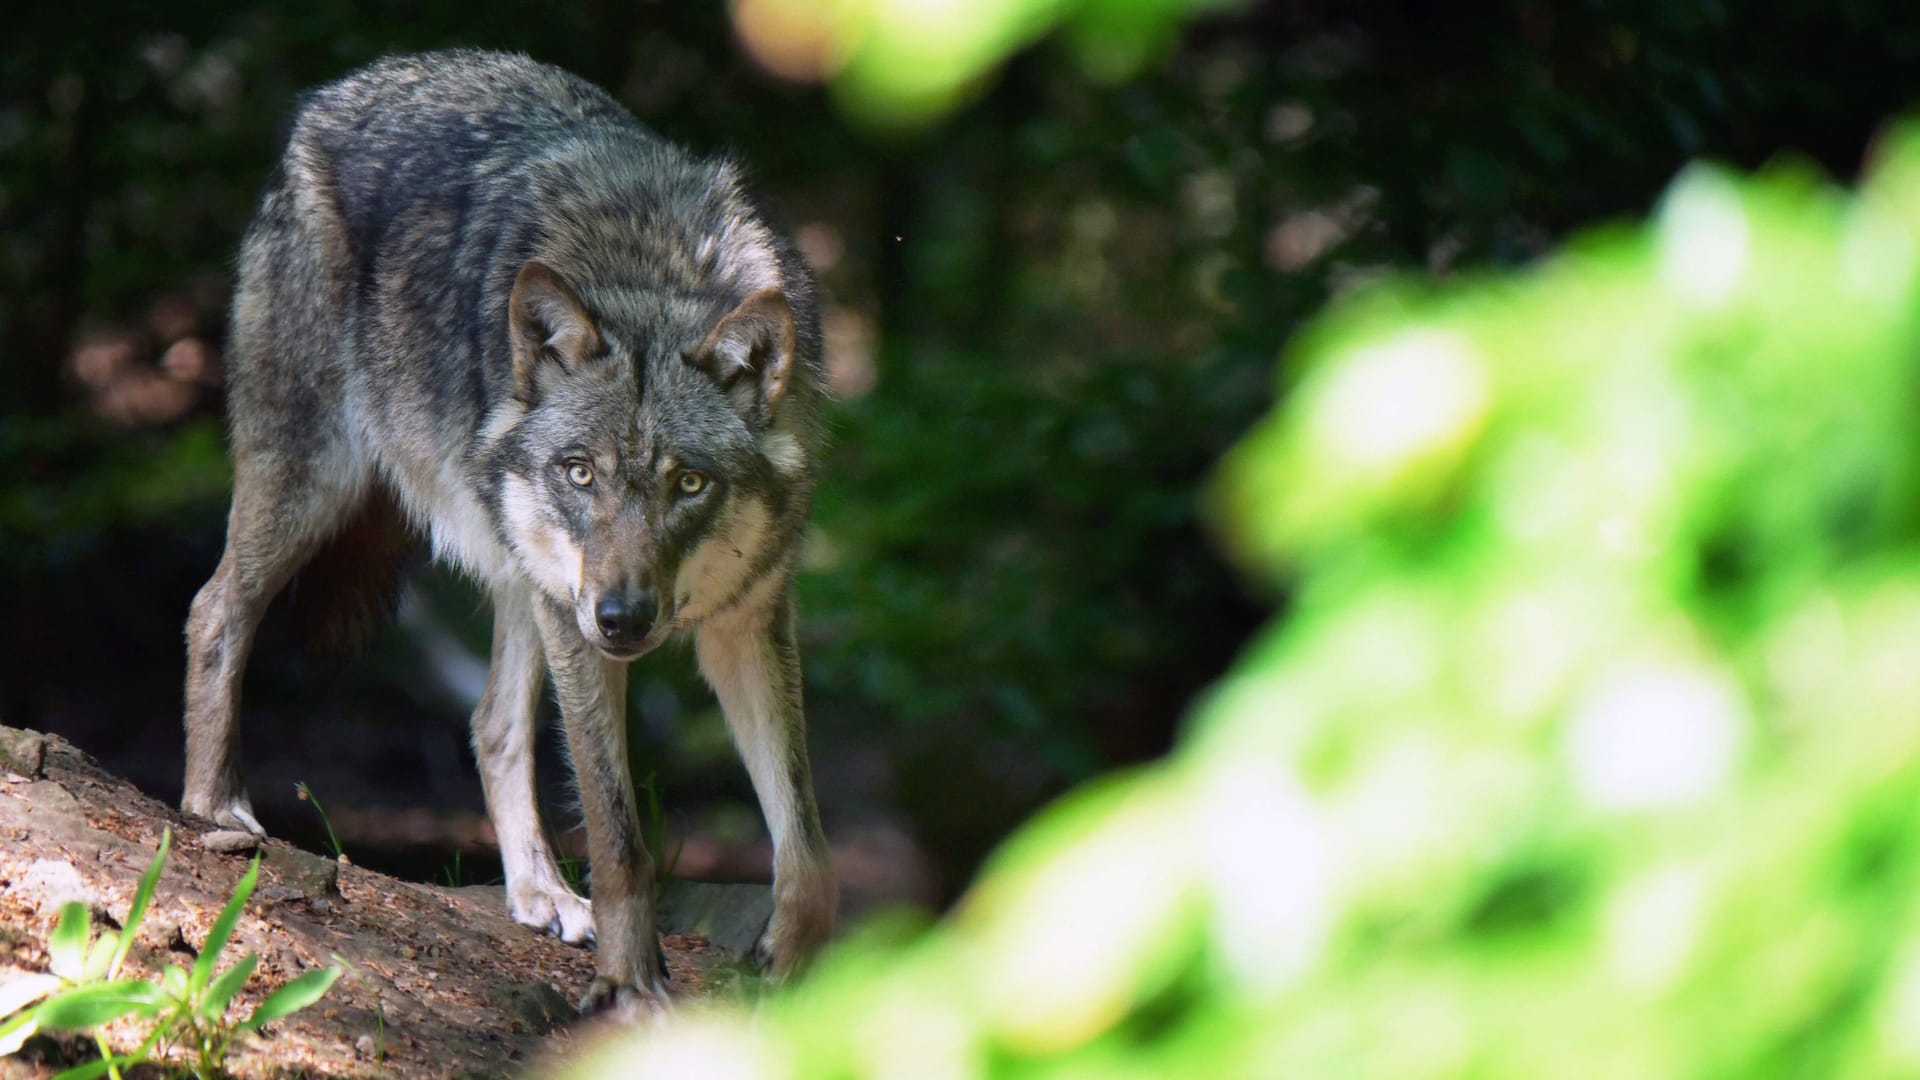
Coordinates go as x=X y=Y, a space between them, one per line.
x=555 y=910
x=625 y=1003
x=233 y=813
x=806 y=900
x=787 y=944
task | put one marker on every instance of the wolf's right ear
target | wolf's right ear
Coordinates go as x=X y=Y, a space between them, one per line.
x=549 y=325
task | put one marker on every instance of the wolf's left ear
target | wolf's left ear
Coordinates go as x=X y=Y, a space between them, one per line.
x=750 y=354
x=549 y=324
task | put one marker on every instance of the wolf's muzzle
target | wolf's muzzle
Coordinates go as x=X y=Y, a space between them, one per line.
x=625 y=618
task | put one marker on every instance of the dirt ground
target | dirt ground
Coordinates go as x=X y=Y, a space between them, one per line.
x=441 y=981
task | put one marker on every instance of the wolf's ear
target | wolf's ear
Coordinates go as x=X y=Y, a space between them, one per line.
x=750 y=354
x=549 y=323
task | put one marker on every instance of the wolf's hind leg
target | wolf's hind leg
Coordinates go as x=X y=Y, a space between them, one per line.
x=281 y=513
x=750 y=658
x=503 y=742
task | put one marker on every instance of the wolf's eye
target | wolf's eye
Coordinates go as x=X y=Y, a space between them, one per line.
x=580 y=473
x=692 y=483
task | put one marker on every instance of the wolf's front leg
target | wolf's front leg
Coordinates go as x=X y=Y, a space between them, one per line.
x=631 y=979
x=503 y=743
x=750 y=657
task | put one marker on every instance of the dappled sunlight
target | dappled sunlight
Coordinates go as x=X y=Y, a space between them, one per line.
x=693 y=1047
x=1069 y=941
x=795 y=39
x=911 y=1036
x=155 y=370
x=1648 y=736
x=904 y=62
x=1897 y=1027
x=1652 y=924
x=1703 y=239
x=1271 y=868
x=1390 y=408
x=851 y=338
x=127 y=392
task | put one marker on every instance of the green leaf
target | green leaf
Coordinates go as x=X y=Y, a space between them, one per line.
x=100 y=956
x=91 y=1006
x=67 y=948
x=221 y=990
x=291 y=998
x=222 y=929
x=87 y=1070
x=23 y=990
x=15 y=1032
x=142 y=897
x=173 y=982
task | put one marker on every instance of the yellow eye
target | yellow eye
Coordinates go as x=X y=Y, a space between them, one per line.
x=692 y=483
x=580 y=473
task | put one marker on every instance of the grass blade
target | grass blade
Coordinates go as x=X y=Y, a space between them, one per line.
x=15 y=1032
x=23 y=990
x=173 y=982
x=100 y=956
x=91 y=1006
x=221 y=990
x=306 y=795
x=67 y=948
x=291 y=998
x=222 y=929
x=142 y=897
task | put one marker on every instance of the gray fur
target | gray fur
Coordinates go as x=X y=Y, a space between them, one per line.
x=586 y=368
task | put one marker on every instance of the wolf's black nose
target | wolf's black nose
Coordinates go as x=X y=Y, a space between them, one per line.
x=625 y=618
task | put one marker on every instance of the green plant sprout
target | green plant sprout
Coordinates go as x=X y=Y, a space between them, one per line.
x=306 y=795
x=653 y=832
x=379 y=1006
x=653 y=835
x=188 y=1009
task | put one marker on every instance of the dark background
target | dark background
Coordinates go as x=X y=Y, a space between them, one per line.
x=1050 y=312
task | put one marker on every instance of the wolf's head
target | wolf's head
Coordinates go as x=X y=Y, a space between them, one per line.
x=653 y=467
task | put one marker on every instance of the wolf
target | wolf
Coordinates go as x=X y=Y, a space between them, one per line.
x=479 y=303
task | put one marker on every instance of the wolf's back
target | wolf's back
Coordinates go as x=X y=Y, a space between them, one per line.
x=443 y=173
x=371 y=309
x=464 y=136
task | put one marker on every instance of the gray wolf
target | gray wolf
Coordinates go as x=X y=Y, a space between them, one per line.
x=482 y=304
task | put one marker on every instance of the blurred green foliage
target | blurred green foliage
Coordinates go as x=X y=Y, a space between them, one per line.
x=904 y=63
x=1587 y=748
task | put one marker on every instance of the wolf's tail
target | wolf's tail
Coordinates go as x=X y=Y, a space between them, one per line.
x=351 y=586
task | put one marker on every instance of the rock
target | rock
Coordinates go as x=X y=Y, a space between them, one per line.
x=537 y=1004
x=23 y=753
x=160 y=929
x=55 y=805
x=486 y=896
x=49 y=883
x=54 y=820
x=302 y=874
x=731 y=917
x=229 y=841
